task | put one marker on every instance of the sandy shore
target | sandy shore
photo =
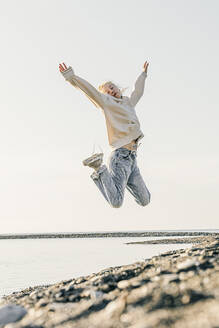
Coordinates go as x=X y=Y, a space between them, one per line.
x=175 y=289
x=182 y=240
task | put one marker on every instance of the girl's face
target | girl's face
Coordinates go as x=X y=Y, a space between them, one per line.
x=113 y=90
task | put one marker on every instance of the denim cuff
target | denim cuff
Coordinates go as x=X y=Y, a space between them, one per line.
x=96 y=174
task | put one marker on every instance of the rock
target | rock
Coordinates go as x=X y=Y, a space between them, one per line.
x=95 y=294
x=123 y=284
x=115 y=308
x=167 y=278
x=187 y=265
x=11 y=313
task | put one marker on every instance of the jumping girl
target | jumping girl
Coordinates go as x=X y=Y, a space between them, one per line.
x=124 y=133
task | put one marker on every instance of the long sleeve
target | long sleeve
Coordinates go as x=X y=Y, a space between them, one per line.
x=138 y=91
x=91 y=92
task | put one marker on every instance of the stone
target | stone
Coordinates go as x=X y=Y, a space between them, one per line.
x=11 y=313
x=187 y=265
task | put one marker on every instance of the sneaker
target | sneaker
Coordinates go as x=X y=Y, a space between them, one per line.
x=94 y=161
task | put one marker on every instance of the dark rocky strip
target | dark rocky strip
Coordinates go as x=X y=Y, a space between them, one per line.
x=106 y=234
x=177 y=289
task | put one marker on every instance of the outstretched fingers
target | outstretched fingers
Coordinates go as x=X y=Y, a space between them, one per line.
x=146 y=66
x=62 y=67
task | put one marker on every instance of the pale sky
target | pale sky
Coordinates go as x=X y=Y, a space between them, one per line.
x=48 y=127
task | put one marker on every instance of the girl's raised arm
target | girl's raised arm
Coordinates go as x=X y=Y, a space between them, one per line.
x=96 y=97
x=138 y=91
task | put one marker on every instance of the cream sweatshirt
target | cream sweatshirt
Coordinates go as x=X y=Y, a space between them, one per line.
x=121 y=120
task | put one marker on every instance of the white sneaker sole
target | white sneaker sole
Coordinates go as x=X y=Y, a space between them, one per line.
x=92 y=159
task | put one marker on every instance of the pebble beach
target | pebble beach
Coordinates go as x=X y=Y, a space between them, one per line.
x=174 y=289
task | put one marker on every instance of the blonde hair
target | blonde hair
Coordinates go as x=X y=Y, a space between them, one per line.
x=102 y=86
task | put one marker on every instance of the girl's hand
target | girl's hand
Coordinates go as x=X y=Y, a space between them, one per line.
x=62 y=67
x=145 y=67
x=67 y=72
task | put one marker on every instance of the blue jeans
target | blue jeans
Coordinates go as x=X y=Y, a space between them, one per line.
x=123 y=173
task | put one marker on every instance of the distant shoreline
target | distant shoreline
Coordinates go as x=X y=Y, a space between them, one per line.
x=166 y=241
x=107 y=234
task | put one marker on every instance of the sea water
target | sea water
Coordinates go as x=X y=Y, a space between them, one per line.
x=33 y=262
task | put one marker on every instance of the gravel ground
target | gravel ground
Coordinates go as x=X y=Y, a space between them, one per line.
x=177 y=289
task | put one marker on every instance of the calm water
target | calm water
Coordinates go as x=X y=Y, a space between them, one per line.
x=31 y=262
